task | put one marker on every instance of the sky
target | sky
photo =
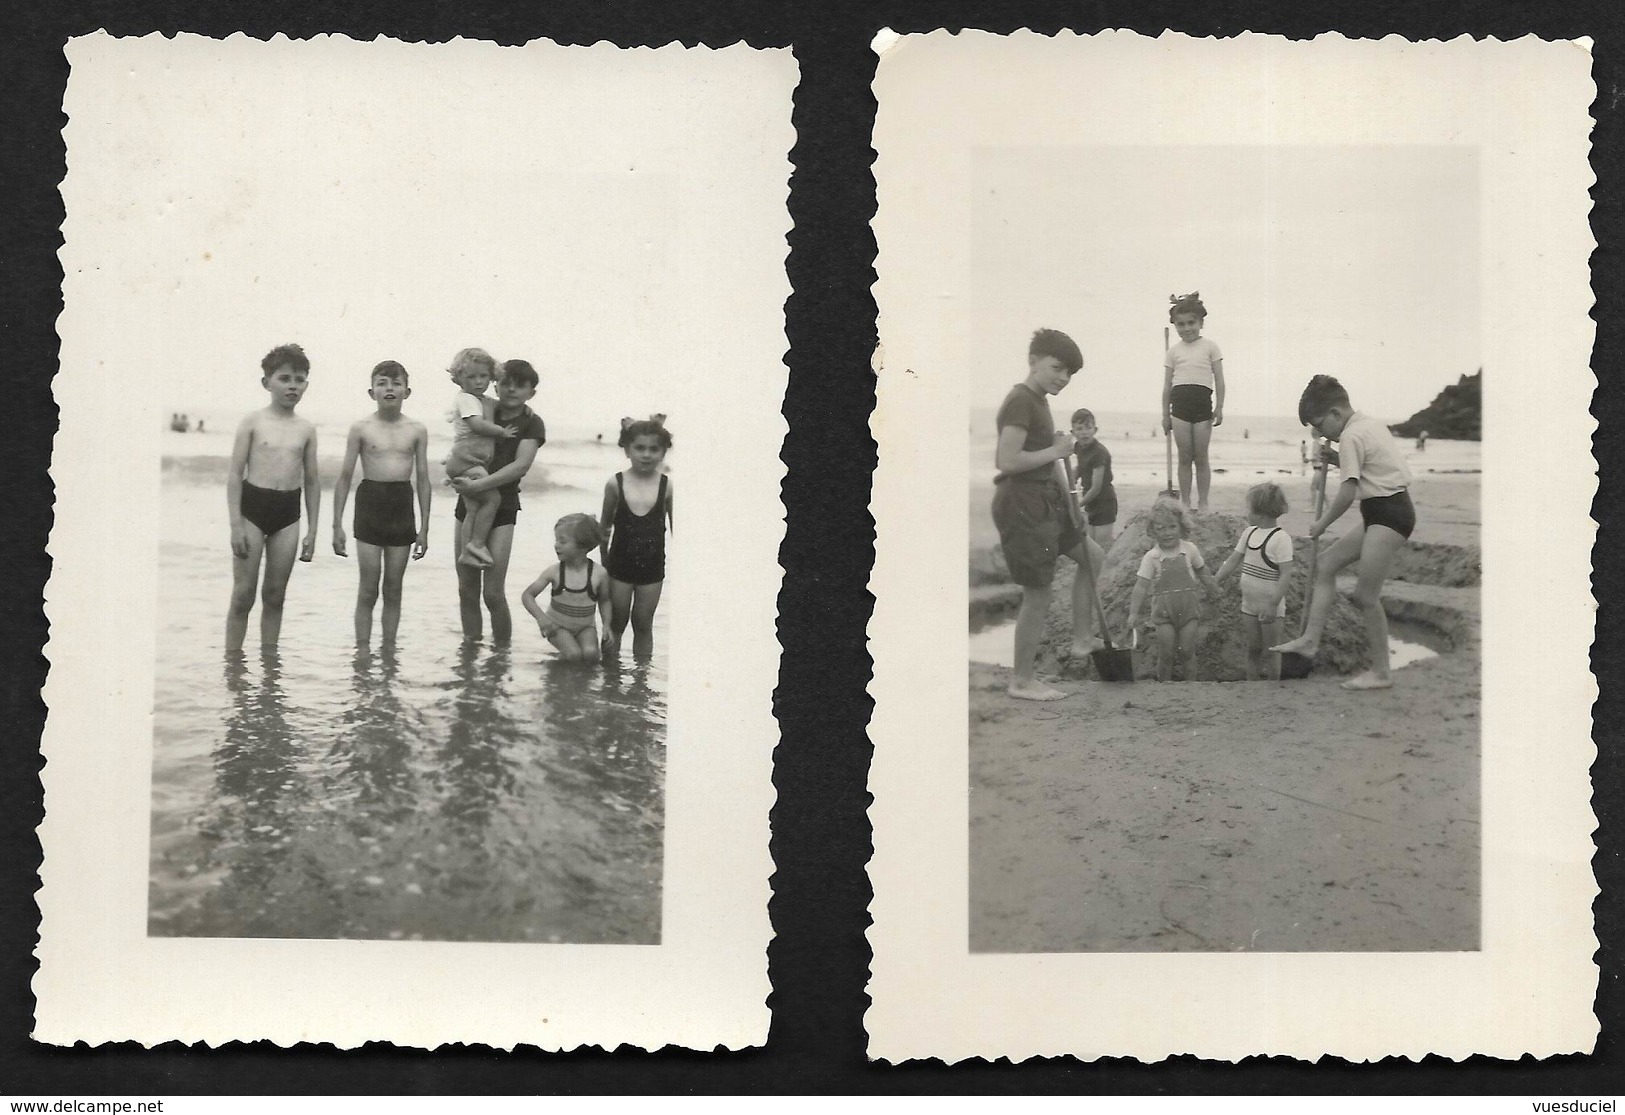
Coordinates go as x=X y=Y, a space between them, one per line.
x=1360 y=262
x=405 y=203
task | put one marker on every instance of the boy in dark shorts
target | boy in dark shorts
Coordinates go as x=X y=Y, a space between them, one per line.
x=1094 y=473
x=394 y=450
x=1374 y=474
x=1030 y=508
x=272 y=459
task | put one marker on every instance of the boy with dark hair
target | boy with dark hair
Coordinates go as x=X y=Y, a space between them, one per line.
x=393 y=450
x=1376 y=476
x=272 y=459
x=1030 y=508
x=510 y=461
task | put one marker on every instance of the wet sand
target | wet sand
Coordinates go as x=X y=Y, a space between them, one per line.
x=1277 y=816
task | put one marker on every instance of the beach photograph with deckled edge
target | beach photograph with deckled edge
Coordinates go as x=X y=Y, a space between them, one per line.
x=412 y=667
x=1224 y=552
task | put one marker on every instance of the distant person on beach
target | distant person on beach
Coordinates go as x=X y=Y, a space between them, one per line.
x=272 y=459
x=1170 y=574
x=1030 y=508
x=636 y=513
x=1374 y=475
x=1422 y=442
x=473 y=441
x=394 y=452
x=1264 y=554
x=1303 y=452
x=580 y=591
x=510 y=460
x=200 y=425
x=1094 y=473
x=1192 y=393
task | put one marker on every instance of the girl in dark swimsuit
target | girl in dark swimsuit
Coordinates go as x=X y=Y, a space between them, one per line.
x=637 y=511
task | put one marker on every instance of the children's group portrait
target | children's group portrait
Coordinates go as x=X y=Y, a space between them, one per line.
x=430 y=349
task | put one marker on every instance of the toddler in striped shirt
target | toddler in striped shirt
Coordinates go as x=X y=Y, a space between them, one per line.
x=1263 y=553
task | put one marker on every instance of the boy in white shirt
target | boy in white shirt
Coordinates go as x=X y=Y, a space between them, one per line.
x=1374 y=474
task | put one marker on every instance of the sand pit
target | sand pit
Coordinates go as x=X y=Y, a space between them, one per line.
x=1222 y=647
x=1273 y=816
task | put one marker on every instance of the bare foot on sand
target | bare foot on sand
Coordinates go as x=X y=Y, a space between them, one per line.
x=1300 y=645
x=1368 y=680
x=1084 y=650
x=1035 y=691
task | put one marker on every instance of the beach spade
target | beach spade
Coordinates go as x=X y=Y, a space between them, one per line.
x=1170 y=491
x=1296 y=666
x=1112 y=663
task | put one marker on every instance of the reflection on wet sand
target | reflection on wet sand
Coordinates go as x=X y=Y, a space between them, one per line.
x=507 y=802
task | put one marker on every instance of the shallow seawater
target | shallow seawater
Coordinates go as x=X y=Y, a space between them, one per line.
x=447 y=791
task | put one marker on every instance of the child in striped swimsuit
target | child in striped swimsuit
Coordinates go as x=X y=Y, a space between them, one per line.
x=1262 y=552
x=580 y=591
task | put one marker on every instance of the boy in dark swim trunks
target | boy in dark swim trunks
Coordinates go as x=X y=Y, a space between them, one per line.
x=393 y=449
x=273 y=457
x=1376 y=475
x=1094 y=478
x=1030 y=508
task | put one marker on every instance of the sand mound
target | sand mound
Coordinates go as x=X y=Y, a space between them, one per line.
x=1221 y=646
x=1434 y=563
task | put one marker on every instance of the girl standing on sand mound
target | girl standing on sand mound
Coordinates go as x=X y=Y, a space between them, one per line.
x=1192 y=393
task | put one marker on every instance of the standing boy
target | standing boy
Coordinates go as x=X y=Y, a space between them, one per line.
x=1094 y=473
x=394 y=449
x=1376 y=475
x=273 y=457
x=510 y=461
x=1030 y=508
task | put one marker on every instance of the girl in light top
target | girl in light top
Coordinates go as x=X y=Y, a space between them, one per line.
x=1192 y=393
x=473 y=441
x=1264 y=555
x=1172 y=573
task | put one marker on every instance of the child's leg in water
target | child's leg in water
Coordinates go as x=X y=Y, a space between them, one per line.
x=645 y=599
x=620 y=610
x=245 y=583
x=1187 y=649
x=568 y=643
x=1167 y=645
x=1201 y=434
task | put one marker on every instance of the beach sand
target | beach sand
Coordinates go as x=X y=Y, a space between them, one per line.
x=1274 y=816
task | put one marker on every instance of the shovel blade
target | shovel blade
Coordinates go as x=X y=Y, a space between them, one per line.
x=1113 y=665
x=1295 y=667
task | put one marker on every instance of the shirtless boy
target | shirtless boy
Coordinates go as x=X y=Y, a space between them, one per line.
x=273 y=457
x=394 y=450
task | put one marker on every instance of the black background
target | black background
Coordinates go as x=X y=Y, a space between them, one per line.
x=818 y=960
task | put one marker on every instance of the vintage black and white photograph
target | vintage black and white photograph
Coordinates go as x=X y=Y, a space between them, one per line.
x=1238 y=382
x=1219 y=529
x=413 y=347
